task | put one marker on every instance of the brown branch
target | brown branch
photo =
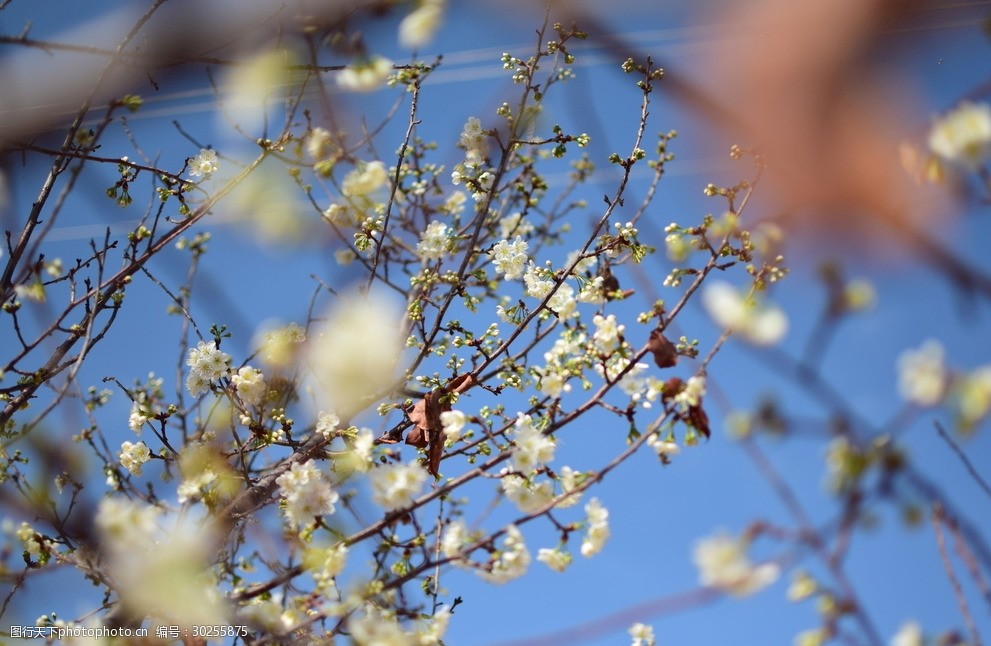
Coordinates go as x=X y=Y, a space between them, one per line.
x=937 y=522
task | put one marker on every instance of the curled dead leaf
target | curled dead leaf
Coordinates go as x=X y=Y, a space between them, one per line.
x=665 y=353
x=426 y=431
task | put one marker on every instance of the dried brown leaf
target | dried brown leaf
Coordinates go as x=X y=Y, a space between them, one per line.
x=426 y=431
x=665 y=352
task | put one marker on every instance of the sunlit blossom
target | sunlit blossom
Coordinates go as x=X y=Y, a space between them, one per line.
x=922 y=375
x=758 y=323
x=963 y=135
x=722 y=562
x=204 y=164
x=394 y=486
x=365 y=76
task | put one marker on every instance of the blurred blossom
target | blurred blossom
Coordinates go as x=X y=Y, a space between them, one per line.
x=142 y=545
x=364 y=445
x=352 y=355
x=570 y=480
x=512 y=562
x=344 y=257
x=455 y=537
x=366 y=76
x=376 y=627
x=666 y=448
x=533 y=448
x=259 y=80
x=722 y=562
x=325 y=564
x=972 y=397
x=858 y=295
x=642 y=634
x=597 y=532
x=267 y=613
x=267 y=202
x=922 y=374
x=812 y=637
x=277 y=347
x=418 y=28
x=515 y=224
x=963 y=135
x=436 y=626
x=758 y=323
x=453 y=422
x=527 y=495
x=846 y=463
x=910 y=634
x=367 y=178
x=555 y=559
x=691 y=395
x=802 y=587
x=319 y=144
x=394 y=486
x=921 y=166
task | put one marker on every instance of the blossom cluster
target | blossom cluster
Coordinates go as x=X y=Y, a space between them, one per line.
x=381 y=628
x=143 y=406
x=474 y=141
x=434 y=242
x=512 y=561
x=510 y=258
x=206 y=363
x=306 y=493
x=597 y=528
x=250 y=385
x=533 y=447
x=133 y=456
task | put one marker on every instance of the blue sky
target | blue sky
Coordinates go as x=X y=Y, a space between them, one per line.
x=656 y=513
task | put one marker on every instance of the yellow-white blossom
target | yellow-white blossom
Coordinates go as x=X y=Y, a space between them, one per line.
x=133 y=456
x=758 y=323
x=353 y=354
x=722 y=563
x=642 y=635
x=555 y=559
x=419 y=26
x=364 y=180
x=394 y=486
x=963 y=135
x=365 y=76
x=204 y=164
x=922 y=375
x=910 y=634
